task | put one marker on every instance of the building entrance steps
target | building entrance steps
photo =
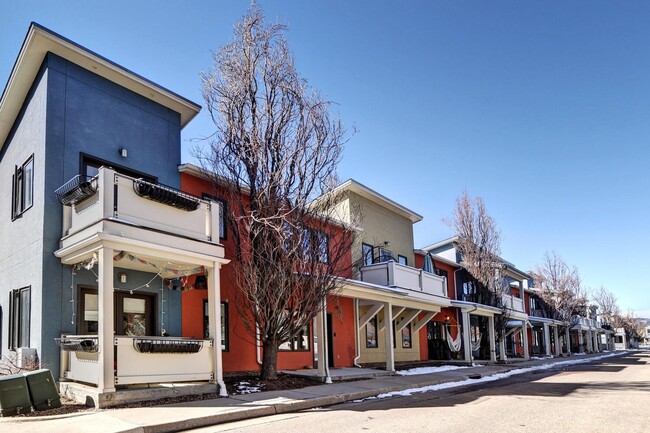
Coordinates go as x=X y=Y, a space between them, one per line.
x=201 y=413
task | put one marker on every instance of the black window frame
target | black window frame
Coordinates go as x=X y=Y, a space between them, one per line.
x=295 y=341
x=16 y=338
x=366 y=256
x=223 y=208
x=225 y=332
x=314 y=238
x=399 y=260
x=374 y=323
x=18 y=183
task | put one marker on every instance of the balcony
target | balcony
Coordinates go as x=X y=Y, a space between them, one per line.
x=118 y=205
x=584 y=322
x=393 y=274
x=513 y=303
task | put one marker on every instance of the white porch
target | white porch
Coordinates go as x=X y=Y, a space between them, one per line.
x=114 y=221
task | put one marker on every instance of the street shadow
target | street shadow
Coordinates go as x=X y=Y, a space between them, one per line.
x=524 y=385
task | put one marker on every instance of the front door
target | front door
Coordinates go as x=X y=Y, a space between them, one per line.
x=330 y=341
x=134 y=314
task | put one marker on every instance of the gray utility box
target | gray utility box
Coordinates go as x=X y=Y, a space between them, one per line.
x=14 y=395
x=42 y=389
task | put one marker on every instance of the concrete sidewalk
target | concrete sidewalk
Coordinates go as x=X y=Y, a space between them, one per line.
x=203 y=413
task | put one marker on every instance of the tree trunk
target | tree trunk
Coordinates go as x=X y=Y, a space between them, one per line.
x=269 y=360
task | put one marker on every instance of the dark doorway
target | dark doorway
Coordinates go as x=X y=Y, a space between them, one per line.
x=436 y=343
x=330 y=341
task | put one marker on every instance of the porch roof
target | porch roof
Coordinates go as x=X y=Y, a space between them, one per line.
x=401 y=297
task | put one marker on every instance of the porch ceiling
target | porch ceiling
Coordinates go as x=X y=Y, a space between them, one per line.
x=153 y=257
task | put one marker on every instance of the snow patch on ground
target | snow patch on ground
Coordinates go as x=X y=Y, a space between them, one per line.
x=492 y=378
x=245 y=387
x=428 y=370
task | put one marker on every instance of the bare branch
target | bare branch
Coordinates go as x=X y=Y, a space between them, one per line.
x=275 y=149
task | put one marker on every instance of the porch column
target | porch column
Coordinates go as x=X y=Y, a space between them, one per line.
x=502 y=347
x=467 y=343
x=580 y=341
x=214 y=325
x=524 y=334
x=493 y=349
x=558 y=347
x=388 y=334
x=590 y=341
x=596 y=345
x=547 y=339
x=568 y=341
x=106 y=321
x=320 y=337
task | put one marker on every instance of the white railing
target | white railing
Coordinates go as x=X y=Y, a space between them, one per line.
x=116 y=199
x=394 y=274
x=163 y=359
x=142 y=360
x=513 y=303
x=585 y=322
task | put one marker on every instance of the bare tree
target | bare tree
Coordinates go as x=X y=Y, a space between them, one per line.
x=479 y=241
x=479 y=244
x=607 y=304
x=632 y=327
x=560 y=287
x=275 y=149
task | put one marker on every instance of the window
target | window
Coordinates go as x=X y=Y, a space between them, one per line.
x=366 y=254
x=316 y=241
x=441 y=272
x=225 y=340
x=23 y=188
x=402 y=260
x=222 y=213
x=371 y=333
x=468 y=290
x=406 y=337
x=19 y=317
x=88 y=315
x=298 y=343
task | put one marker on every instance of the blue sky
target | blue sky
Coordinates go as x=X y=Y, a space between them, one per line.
x=541 y=108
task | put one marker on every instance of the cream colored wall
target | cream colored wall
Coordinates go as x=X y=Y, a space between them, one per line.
x=379 y=354
x=341 y=210
x=379 y=225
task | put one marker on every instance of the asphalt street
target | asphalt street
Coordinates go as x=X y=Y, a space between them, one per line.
x=612 y=395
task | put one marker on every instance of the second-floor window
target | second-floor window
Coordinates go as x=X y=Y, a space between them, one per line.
x=22 y=188
x=316 y=243
x=402 y=260
x=366 y=254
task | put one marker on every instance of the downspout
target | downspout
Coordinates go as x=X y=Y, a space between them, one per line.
x=325 y=362
x=258 y=346
x=357 y=346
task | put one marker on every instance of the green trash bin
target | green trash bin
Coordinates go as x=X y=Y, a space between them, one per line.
x=14 y=395
x=42 y=389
